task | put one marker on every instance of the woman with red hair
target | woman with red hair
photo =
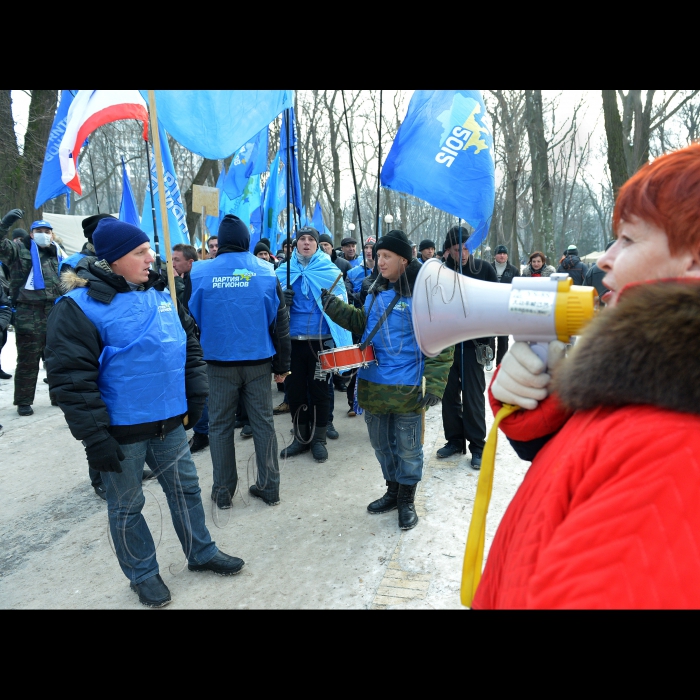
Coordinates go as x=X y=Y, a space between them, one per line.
x=607 y=515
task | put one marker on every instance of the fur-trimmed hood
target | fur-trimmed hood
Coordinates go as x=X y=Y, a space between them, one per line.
x=405 y=283
x=643 y=351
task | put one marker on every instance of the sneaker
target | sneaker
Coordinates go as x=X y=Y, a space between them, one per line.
x=25 y=410
x=476 y=460
x=247 y=431
x=198 y=442
x=448 y=450
x=331 y=432
x=257 y=493
x=282 y=408
x=351 y=413
x=101 y=492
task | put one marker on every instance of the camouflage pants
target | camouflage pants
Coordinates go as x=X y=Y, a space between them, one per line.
x=30 y=332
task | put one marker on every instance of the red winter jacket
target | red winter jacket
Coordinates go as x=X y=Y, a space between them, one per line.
x=608 y=515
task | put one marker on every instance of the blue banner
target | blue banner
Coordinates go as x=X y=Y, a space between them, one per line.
x=275 y=198
x=318 y=219
x=216 y=123
x=50 y=183
x=249 y=159
x=177 y=218
x=127 y=209
x=296 y=189
x=443 y=153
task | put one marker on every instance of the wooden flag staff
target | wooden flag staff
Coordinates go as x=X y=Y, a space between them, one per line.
x=161 y=190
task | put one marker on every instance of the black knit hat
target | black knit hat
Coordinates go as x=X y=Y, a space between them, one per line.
x=325 y=238
x=397 y=242
x=234 y=233
x=260 y=247
x=452 y=237
x=266 y=241
x=308 y=231
x=427 y=243
x=500 y=249
x=90 y=224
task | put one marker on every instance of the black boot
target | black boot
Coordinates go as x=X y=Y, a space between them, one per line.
x=331 y=432
x=301 y=442
x=387 y=502
x=4 y=375
x=198 y=442
x=153 y=593
x=318 y=445
x=407 y=511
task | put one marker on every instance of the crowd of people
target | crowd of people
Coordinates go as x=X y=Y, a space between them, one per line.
x=132 y=371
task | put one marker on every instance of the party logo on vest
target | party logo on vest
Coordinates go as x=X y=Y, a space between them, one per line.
x=238 y=278
x=165 y=306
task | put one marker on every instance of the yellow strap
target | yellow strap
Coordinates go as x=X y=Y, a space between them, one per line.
x=474 y=554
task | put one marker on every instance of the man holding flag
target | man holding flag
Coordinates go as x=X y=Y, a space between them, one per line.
x=34 y=285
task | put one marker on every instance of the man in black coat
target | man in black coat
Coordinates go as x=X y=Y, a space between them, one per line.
x=505 y=272
x=463 y=404
x=572 y=265
x=127 y=371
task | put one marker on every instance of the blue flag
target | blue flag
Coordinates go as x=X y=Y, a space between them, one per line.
x=318 y=219
x=275 y=198
x=215 y=123
x=249 y=159
x=296 y=188
x=50 y=183
x=127 y=209
x=177 y=219
x=443 y=153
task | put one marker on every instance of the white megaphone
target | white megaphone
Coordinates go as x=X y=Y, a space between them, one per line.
x=449 y=308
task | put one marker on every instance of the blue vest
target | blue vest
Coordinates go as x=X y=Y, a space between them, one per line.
x=234 y=301
x=144 y=349
x=356 y=275
x=355 y=262
x=399 y=358
x=72 y=261
x=305 y=318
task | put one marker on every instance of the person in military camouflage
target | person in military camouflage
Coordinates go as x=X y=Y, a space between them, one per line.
x=390 y=391
x=34 y=287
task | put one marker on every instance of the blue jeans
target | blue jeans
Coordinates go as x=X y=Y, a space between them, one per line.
x=171 y=462
x=202 y=425
x=395 y=438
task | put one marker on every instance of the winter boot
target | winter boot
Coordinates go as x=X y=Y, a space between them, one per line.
x=387 y=502
x=407 y=511
x=331 y=432
x=318 y=444
x=301 y=442
x=4 y=375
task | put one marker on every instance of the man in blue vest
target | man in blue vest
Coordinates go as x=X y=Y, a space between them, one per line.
x=127 y=370
x=239 y=307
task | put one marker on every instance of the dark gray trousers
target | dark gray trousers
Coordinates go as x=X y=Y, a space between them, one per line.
x=226 y=385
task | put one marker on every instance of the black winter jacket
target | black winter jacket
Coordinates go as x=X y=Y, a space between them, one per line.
x=573 y=266
x=73 y=349
x=508 y=274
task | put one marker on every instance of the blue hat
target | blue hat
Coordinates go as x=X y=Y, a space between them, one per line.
x=113 y=239
x=42 y=223
x=234 y=233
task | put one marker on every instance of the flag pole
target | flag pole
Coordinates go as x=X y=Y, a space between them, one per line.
x=379 y=165
x=289 y=231
x=354 y=182
x=94 y=184
x=156 y=242
x=161 y=190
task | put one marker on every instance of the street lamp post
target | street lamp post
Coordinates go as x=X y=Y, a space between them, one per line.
x=388 y=220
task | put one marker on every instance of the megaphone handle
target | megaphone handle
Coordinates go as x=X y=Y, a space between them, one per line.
x=540 y=349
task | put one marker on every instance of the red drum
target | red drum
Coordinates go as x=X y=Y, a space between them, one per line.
x=349 y=357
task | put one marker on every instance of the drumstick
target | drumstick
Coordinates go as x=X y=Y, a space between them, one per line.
x=337 y=279
x=422 y=416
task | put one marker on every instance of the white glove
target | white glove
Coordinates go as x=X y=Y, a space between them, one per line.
x=522 y=379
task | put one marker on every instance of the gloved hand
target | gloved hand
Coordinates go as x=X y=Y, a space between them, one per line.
x=326 y=297
x=429 y=400
x=10 y=218
x=522 y=379
x=194 y=412
x=105 y=456
x=288 y=297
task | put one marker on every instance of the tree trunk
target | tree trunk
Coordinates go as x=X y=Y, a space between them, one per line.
x=616 y=143
x=543 y=234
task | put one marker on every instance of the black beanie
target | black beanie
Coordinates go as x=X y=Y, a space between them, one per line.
x=397 y=242
x=19 y=233
x=427 y=243
x=266 y=241
x=325 y=238
x=233 y=234
x=452 y=237
x=260 y=247
x=90 y=224
x=308 y=231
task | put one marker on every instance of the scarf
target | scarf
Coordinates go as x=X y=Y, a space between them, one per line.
x=318 y=274
x=500 y=269
x=36 y=276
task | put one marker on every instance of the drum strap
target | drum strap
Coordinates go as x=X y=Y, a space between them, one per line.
x=385 y=315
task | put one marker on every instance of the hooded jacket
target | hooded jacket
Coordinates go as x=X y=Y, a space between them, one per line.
x=74 y=348
x=376 y=396
x=607 y=515
x=573 y=266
